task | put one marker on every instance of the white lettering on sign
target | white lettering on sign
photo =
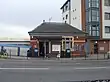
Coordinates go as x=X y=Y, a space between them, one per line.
x=55 y=47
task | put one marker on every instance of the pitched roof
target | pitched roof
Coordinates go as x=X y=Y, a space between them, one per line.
x=53 y=27
x=65 y=3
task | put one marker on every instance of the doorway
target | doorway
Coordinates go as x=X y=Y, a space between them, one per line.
x=43 y=48
x=95 y=48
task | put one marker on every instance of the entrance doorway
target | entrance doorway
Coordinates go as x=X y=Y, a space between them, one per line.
x=95 y=48
x=43 y=48
x=47 y=47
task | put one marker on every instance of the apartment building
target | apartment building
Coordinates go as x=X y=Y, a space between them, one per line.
x=93 y=17
x=71 y=13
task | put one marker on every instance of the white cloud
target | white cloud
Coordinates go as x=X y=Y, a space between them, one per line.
x=17 y=17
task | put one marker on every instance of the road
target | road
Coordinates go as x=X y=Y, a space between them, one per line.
x=38 y=70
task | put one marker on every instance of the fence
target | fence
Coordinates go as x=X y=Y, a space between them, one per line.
x=13 y=51
x=89 y=56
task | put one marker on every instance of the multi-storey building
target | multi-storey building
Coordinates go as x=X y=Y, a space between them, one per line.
x=91 y=16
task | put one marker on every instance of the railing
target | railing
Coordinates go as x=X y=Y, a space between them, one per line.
x=91 y=56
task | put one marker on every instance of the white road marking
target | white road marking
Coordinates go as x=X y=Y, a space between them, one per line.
x=24 y=68
x=75 y=68
x=89 y=68
x=78 y=63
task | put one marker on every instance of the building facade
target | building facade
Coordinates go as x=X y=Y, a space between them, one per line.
x=91 y=16
x=71 y=13
x=53 y=38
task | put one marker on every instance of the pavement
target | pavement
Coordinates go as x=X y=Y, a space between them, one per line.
x=39 y=70
x=17 y=57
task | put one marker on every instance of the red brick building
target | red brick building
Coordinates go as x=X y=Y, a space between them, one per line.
x=53 y=38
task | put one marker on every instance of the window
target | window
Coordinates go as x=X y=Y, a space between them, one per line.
x=107 y=16
x=63 y=45
x=98 y=33
x=107 y=2
x=94 y=18
x=67 y=43
x=66 y=16
x=74 y=10
x=93 y=3
x=76 y=47
x=95 y=15
x=94 y=33
x=63 y=10
x=107 y=29
x=90 y=32
x=66 y=8
x=89 y=16
x=93 y=30
x=74 y=18
x=63 y=18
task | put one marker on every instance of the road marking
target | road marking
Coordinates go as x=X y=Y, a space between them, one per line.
x=78 y=63
x=87 y=68
x=24 y=68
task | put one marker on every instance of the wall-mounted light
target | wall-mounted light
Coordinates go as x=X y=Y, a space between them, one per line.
x=77 y=37
x=104 y=42
x=96 y=42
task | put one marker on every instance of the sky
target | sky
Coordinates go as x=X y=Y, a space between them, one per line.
x=17 y=17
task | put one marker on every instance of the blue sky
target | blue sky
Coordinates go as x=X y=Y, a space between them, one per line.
x=17 y=17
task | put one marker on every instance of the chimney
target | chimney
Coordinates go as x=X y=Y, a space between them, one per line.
x=43 y=21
